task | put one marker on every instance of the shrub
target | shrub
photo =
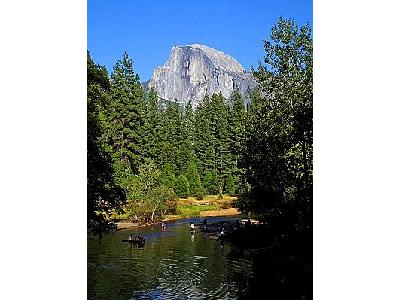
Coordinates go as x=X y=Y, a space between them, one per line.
x=182 y=186
x=199 y=193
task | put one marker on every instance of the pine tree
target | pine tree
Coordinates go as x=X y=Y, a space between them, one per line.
x=125 y=117
x=210 y=182
x=170 y=138
x=182 y=186
x=168 y=176
x=152 y=128
x=203 y=138
x=237 y=119
x=220 y=130
x=195 y=187
x=102 y=192
x=186 y=147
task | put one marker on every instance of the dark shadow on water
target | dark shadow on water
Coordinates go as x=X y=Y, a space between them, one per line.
x=283 y=272
x=281 y=254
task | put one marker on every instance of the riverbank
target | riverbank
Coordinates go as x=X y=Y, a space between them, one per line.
x=229 y=212
x=233 y=211
x=190 y=207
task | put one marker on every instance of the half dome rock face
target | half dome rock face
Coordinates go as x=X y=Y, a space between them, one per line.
x=193 y=71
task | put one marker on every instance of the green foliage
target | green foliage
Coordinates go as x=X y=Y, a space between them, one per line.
x=242 y=186
x=199 y=193
x=168 y=177
x=230 y=185
x=182 y=186
x=237 y=127
x=204 y=141
x=219 y=125
x=148 y=195
x=171 y=136
x=189 y=211
x=164 y=200
x=139 y=138
x=278 y=144
x=103 y=194
x=152 y=127
x=135 y=147
x=124 y=117
x=210 y=182
x=212 y=136
x=146 y=181
x=195 y=187
x=186 y=151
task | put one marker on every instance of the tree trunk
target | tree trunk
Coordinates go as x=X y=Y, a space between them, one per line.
x=152 y=215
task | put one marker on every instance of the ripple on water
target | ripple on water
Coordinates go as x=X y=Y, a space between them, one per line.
x=170 y=266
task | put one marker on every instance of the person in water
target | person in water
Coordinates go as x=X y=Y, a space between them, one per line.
x=191 y=226
x=204 y=223
x=222 y=231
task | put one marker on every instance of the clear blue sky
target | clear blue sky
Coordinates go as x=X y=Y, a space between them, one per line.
x=147 y=30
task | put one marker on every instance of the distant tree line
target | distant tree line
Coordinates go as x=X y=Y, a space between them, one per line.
x=154 y=153
x=142 y=155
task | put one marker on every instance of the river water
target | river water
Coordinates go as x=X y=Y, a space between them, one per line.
x=172 y=265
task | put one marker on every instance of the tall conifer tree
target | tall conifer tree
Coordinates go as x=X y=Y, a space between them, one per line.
x=124 y=121
x=171 y=135
x=220 y=130
x=192 y=175
x=102 y=192
x=203 y=137
x=237 y=117
x=152 y=128
x=187 y=138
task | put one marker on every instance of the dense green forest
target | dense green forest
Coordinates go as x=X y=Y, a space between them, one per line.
x=142 y=154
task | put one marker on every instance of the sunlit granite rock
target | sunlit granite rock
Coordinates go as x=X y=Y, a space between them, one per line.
x=193 y=71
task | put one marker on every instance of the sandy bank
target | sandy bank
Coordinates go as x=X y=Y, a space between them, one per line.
x=219 y=213
x=128 y=225
x=205 y=213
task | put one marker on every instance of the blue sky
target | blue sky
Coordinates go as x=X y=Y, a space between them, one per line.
x=147 y=30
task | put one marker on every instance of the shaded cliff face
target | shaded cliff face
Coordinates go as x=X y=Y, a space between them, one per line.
x=193 y=71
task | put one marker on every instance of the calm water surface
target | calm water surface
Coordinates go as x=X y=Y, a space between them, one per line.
x=173 y=265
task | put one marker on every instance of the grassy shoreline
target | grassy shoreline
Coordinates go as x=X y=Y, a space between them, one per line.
x=210 y=206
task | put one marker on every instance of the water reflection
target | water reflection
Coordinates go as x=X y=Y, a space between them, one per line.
x=192 y=236
x=174 y=264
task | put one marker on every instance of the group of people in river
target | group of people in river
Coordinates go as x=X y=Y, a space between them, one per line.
x=203 y=225
x=191 y=225
x=140 y=239
x=163 y=226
